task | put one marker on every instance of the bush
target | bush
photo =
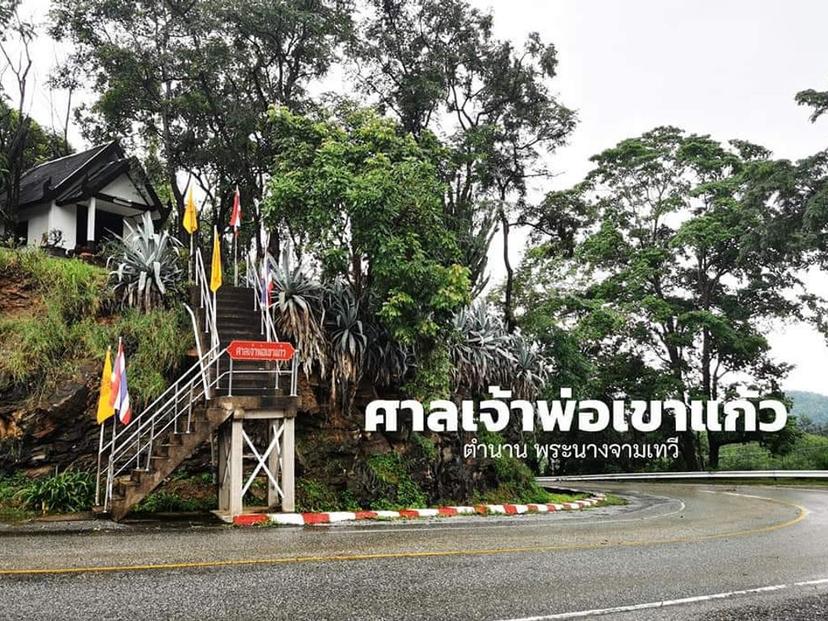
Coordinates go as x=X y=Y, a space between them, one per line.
x=810 y=452
x=71 y=490
x=513 y=479
x=313 y=495
x=164 y=501
x=392 y=485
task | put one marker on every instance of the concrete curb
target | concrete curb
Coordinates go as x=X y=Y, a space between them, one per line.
x=331 y=517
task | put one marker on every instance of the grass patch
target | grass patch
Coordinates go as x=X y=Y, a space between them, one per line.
x=611 y=500
x=313 y=495
x=394 y=487
x=70 y=324
x=515 y=482
x=66 y=492
x=181 y=494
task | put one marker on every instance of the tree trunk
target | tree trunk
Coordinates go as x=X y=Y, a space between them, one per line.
x=508 y=310
x=713 y=456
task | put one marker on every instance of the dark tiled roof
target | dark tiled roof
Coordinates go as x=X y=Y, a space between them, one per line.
x=81 y=175
x=38 y=184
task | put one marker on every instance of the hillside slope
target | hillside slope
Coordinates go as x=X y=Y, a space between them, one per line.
x=810 y=408
x=56 y=321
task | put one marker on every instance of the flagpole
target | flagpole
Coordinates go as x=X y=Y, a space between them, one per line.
x=235 y=259
x=192 y=259
x=98 y=472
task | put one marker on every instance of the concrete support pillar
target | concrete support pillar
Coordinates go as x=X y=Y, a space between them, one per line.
x=273 y=463
x=287 y=466
x=90 y=224
x=236 y=471
x=224 y=467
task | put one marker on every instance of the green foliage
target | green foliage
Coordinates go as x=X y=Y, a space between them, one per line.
x=514 y=482
x=365 y=201
x=810 y=452
x=73 y=288
x=818 y=100
x=69 y=491
x=147 y=266
x=163 y=501
x=424 y=447
x=313 y=495
x=432 y=376
x=156 y=343
x=396 y=488
x=67 y=327
x=193 y=81
x=675 y=251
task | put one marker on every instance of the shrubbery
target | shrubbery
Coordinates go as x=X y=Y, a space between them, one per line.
x=69 y=323
x=68 y=491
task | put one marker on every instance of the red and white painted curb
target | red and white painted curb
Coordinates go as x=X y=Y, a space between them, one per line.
x=331 y=517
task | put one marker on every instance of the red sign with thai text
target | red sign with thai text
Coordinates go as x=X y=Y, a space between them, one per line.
x=260 y=350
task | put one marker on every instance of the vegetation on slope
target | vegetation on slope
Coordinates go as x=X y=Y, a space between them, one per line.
x=65 y=318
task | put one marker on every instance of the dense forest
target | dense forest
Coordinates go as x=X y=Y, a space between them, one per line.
x=657 y=276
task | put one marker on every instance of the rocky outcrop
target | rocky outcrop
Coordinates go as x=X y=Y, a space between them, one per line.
x=58 y=430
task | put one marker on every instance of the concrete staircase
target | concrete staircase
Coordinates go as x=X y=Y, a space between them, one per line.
x=129 y=490
x=238 y=319
x=158 y=454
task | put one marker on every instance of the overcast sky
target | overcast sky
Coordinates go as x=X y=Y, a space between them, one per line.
x=728 y=68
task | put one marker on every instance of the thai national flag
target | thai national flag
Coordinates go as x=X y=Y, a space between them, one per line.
x=119 y=392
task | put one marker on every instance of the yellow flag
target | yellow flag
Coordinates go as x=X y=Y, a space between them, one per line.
x=105 y=410
x=190 y=214
x=215 y=265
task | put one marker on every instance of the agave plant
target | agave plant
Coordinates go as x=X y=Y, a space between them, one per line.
x=300 y=313
x=481 y=351
x=346 y=335
x=385 y=360
x=530 y=368
x=147 y=265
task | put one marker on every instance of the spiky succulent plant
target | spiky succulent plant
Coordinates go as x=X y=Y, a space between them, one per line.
x=144 y=265
x=297 y=298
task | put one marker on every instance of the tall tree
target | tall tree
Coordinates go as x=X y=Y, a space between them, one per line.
x=23 y=142
x=194 y=79
x=680 y=253
x=438 y=66
x=364 y=202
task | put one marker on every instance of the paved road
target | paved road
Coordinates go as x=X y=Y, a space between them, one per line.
x=762 y=551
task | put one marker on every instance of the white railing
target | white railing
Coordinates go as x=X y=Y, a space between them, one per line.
x=131 y=447
x=698 y=475
x=253 y=276
x=207 y=300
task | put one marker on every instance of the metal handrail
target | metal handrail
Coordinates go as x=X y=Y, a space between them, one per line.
x=207 y=299
x=701 y=474
x=268 y=326
x=153 y=423
x=132 y=445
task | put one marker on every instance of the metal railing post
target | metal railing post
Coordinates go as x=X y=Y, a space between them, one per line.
x=230 y=380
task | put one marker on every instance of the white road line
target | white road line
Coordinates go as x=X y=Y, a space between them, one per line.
x=670 y=602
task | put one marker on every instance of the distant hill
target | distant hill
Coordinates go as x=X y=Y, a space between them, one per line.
x=810 y=408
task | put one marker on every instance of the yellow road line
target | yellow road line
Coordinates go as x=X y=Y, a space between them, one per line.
x=802 y=513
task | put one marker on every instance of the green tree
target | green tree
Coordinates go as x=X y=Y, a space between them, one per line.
x=666 y=264
x=23 y=142
x=438 y=66
x=192 y=81
x=363 y=202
